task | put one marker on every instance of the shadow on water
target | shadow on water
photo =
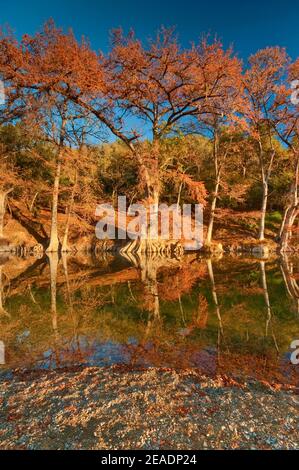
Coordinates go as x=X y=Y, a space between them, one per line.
x=234 y=316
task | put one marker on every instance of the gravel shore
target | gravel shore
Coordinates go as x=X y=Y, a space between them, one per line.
x=115 y=408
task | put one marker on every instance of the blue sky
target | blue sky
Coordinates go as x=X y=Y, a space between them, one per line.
x=249 y=26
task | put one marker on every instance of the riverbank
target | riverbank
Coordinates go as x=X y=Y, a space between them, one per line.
x=118 y=408
x=234 y=232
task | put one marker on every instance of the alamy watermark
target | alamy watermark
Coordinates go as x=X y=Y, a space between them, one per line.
x=155 y=222
x=294 y=358
x=295 y=92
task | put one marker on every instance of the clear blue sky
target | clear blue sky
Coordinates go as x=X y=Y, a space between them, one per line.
x=249 y=26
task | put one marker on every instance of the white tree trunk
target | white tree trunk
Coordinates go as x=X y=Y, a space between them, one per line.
x=212 y=212
x=261 y=235
x=217 y=169
x=65 y=248
x=291 y=210
x=266 y=171
x=54 y=240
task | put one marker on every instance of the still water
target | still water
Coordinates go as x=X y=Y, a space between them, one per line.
x=232 y=315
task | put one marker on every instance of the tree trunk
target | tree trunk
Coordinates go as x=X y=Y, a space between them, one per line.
x=268 y=304
x=266 y=295
x=151 y=178
x=2 y=212
x=217 y=169
x=149 y=269
x=292 y=287
x=179 y=196
x=283 y=222
x=3 y=197
x=54 y=240
x=32 y=225
x=261 y=235
x=265 y=177
x=65 y=268
x=65 y=248
x=153 y=228
x=212 y=212
x=217 y=307
x=286 y=233
x=214 y=294
x=53 y=265
x=291 y=210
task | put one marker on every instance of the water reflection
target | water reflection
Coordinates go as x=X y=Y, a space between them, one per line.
x=289 y=276
x=269 y=322
x=231 y=315
x=217 y=308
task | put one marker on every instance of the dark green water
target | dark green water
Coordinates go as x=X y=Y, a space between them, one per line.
x=231 y=315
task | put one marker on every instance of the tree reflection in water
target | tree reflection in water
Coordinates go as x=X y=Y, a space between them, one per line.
x=149 y=310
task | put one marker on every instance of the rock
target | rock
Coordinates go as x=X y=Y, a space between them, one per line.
x=261 y=251
x=213 y=248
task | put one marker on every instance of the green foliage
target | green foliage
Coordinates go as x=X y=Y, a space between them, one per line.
x=117 y=171
x=30 y=154
x=274 y=217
